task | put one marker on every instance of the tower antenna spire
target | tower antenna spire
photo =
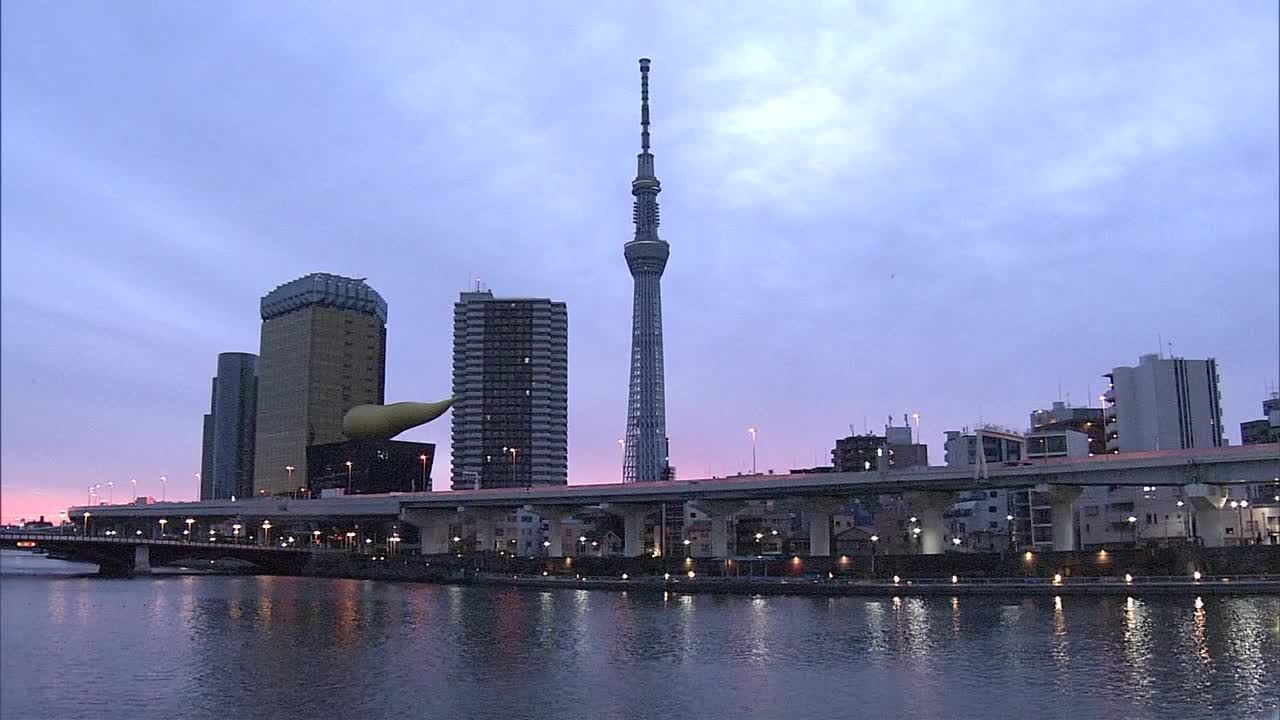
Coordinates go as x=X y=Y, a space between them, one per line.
x=644 y=104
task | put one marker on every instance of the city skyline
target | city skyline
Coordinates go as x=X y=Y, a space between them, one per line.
x=994 y=256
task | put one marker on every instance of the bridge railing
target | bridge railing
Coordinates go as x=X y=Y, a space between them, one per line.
x=103 y=540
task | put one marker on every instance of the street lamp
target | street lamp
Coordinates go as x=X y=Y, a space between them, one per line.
x=348 y=477
x=1008 y=519
x=1133 y=522
x=235 y=529
x=87 y=515
x=266 y=532
x=315 y=534
x=163 y=522
x=688 y=550
x=423 y=458
x=513 y=452
x=289 y=469
x=189 y=522
x=351 y=540
x=874 y=539
x=753 y=449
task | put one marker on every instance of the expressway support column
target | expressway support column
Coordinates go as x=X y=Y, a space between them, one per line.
x=1208 y=501
x=633 y=530
x=1061 y=498
x=484 y=530
x=433 y=529
x=929 y=507
x=721 y=513
x=141 y=560
x=820 y=511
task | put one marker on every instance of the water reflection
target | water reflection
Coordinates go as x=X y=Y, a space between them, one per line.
x=1061 y=654
x=287 y=647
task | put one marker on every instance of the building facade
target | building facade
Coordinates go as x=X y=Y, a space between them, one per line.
x=895 y=449
x=1164 y=404
x=999 y=445
x=376 y=466
x=324 y=343
x=227 y=457
x=1081 y=419
x=858 y=453
x=510 y=390
x=1266 y=430
x=1064 y=443
x=645 y=448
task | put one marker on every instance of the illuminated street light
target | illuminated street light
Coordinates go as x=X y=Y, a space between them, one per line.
x=87 y=515
x=163 y=522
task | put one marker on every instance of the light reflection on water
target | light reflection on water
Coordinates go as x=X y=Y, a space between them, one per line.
x=291 y=647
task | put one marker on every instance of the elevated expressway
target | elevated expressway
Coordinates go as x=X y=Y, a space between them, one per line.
x=1205 y=475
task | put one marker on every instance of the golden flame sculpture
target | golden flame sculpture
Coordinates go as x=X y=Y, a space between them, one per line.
x=383 y=422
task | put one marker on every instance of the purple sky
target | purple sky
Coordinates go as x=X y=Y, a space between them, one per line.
x=873 y=208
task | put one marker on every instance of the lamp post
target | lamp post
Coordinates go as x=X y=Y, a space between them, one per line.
x=289 y=469
x=874 y=539
x=87 y=515
x=190 y=522
x=1133 y=523
x=163 y=522
x=513 y=452
x=423 y=458
x=315 y=537
x=348 y=477
x=266 y=532
x=1008 y=520
x=351 y=540
x=688 y=551
x=753 y=449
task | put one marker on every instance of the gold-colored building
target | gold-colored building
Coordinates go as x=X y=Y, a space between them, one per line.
x=324 y=343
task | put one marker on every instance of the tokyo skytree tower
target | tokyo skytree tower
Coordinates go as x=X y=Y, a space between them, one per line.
x=646 y=442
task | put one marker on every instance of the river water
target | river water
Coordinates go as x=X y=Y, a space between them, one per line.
x=278 y=647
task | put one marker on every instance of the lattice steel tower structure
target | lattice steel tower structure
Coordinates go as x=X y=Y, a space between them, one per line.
x=645 y=457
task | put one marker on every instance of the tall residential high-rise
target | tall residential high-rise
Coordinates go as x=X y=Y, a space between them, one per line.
x=324 y=343
x=510 y=391
x=645 y=456
x=226 y=466
x=1164 y=404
